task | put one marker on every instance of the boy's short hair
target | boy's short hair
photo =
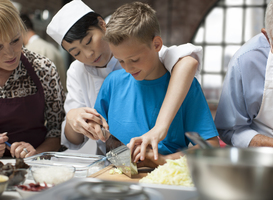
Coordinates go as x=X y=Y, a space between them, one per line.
x=132 y=20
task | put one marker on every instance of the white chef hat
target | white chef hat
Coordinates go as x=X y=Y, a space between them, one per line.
x=65 y=18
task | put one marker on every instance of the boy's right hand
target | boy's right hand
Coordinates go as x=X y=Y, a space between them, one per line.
x=86 y=121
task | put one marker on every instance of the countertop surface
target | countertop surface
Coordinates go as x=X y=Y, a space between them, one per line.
x=104 y=174
x=172 y=192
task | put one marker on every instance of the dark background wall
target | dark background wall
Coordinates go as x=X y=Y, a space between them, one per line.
x=179 y=19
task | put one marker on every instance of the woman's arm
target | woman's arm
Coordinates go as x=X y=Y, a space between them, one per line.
x=180 y=82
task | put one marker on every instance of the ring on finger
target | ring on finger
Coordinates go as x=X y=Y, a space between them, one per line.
x=25 y=150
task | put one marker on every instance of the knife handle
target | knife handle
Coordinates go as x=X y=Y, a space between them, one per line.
x=106 y=133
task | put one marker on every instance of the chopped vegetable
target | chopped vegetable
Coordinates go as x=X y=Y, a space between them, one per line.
x=115 y=171
x=134 y=170
x=174 y=172
x=119 y=170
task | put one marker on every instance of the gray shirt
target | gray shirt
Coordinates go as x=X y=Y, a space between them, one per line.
x=242 y=92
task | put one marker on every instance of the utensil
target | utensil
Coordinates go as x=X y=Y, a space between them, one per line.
x=7 y=143
x=195 y=137
x=120 y=156
x=232 y=173
x=111 y=141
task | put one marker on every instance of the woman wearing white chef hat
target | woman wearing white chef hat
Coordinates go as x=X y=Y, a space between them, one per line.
x=80 y=31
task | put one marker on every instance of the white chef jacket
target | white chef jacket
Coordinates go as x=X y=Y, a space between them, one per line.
x=84 y=82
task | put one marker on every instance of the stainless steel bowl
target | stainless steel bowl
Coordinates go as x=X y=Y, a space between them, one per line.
x=232 y=173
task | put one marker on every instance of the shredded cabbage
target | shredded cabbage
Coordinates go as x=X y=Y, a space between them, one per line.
x=115 y=171
x=174 y=172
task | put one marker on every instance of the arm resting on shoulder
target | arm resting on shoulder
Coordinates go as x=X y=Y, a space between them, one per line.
x=180 y=82
x=179 y=85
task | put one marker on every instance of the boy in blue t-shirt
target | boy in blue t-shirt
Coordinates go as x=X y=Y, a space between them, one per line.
x=130 y=99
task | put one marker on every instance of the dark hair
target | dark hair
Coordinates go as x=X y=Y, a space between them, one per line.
x=80 y=28
x=27 y=21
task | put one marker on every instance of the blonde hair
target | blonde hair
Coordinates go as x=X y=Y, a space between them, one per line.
x=10 y=21
x=132 y=20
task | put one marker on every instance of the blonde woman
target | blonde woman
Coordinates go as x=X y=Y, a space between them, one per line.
x=30 y=93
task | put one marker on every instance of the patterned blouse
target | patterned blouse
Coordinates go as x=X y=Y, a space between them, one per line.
x=20 y=84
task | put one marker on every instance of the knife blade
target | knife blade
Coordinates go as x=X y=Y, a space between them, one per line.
x=118 y=154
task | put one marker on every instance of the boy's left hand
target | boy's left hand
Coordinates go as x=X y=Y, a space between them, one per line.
x=149 y=159
x=151 y=138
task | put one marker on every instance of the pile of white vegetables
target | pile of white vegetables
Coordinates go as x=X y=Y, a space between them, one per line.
x=174 y=172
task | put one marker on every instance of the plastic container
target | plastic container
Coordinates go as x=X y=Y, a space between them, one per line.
x=83 y=163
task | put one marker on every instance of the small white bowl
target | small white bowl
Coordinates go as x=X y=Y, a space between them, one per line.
x=28 y=193
x=52 y=174
x=3 y=183
x=25 y=193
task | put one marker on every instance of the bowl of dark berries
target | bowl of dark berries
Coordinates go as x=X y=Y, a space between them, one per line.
x=30 y=189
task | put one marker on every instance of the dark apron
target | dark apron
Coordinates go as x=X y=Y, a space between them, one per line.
x=23 y=117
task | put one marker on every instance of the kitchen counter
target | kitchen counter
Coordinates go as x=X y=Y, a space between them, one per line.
x=8 y=195
x=167 y=191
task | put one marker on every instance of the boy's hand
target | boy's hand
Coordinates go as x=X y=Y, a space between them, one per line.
x=149 y=159
x=151 y=138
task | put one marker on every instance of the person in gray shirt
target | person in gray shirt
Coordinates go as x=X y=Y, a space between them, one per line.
x=245 y=110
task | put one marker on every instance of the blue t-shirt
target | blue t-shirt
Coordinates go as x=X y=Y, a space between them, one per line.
x=131 y=108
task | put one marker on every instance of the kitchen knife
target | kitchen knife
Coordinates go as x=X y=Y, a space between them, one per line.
x=118 y=154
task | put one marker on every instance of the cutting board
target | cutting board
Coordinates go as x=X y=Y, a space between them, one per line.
x=105 y=175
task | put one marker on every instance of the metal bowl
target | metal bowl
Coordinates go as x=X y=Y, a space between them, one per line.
x=232 y=173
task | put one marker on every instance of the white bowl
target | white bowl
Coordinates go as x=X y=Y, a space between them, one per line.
x=27 y=193
x=52 y=174
x=3 y=183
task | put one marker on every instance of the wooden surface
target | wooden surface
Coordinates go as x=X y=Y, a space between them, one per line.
x=105 y=175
